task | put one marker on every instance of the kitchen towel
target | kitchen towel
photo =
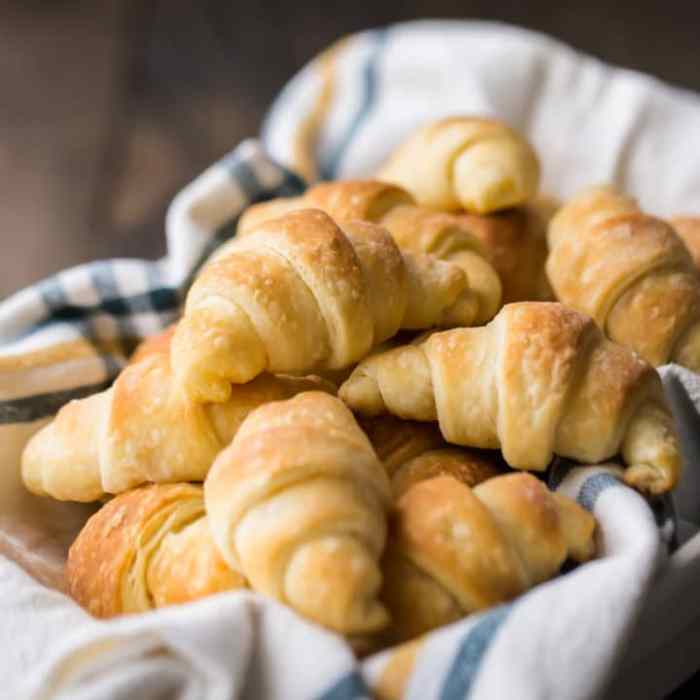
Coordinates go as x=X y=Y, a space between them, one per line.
x=68 y=337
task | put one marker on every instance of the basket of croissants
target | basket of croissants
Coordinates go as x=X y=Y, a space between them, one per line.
x=357 y=409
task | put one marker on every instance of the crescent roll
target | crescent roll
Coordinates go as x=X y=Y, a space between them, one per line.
x=145 y=549
x=412 y=452
x=630 y=272
x=144 y=428
x=454 y=550
x=540 y=379
x=688 y=228
x=515 y=242
x=480 y=165
x=299 y=294
x=415 y=229
x=298 y=504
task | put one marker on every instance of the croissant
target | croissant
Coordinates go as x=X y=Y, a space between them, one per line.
x=688 y=228
x=515 y=242
x=540 y=379
x=143 y=428
x=415 y=229
x=630 y=272
x=479 y=165
x=412 y=452
x=145 y=549
x=298 y=504
x=454 y=550
x=299 y=294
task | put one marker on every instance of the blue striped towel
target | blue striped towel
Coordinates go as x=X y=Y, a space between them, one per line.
x=68 y=337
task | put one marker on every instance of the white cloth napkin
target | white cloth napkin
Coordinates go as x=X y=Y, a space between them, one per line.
x=560 y=640
x=341 y=116
x=588 y=121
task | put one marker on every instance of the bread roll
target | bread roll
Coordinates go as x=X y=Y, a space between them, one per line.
x=145 y=549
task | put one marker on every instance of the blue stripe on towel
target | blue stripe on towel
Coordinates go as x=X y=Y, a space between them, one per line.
x=52 y=294
x=467 y=661
x=292 y=185
x=58 y=309
x=159 y=300
x=350 y=687
x=329 y=166
x=240 y=172
x=593 y=486
x=104 y=280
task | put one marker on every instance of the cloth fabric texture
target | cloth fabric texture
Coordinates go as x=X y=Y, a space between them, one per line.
x=68 y=336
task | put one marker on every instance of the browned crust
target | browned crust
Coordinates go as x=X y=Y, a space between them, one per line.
x=397 y=441
x=298 y=503
x=357 y=199
x=100 y=557
x=630 y=271
x=318 y=241
x=283 y=442
x=469 y=466
x=516 y=245
x=455 y=550
x=413 y=451
x=445 y=530
x=344 y=200
x=188 y=566
x=414 y=228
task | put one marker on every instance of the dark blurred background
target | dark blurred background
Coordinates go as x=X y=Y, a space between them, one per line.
x=109 y=107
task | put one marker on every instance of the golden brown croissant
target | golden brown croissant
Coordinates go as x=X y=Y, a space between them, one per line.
x=143 y=428
x=515 y=242
x=415 y=229
x=298 y=503
x=147 y=548
x=466 y=465
x=540 y=379
x=630 y=272
x=412 y=452
x=454 y=550
x=688 y=228
x=299 y=294
x=479 y=165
